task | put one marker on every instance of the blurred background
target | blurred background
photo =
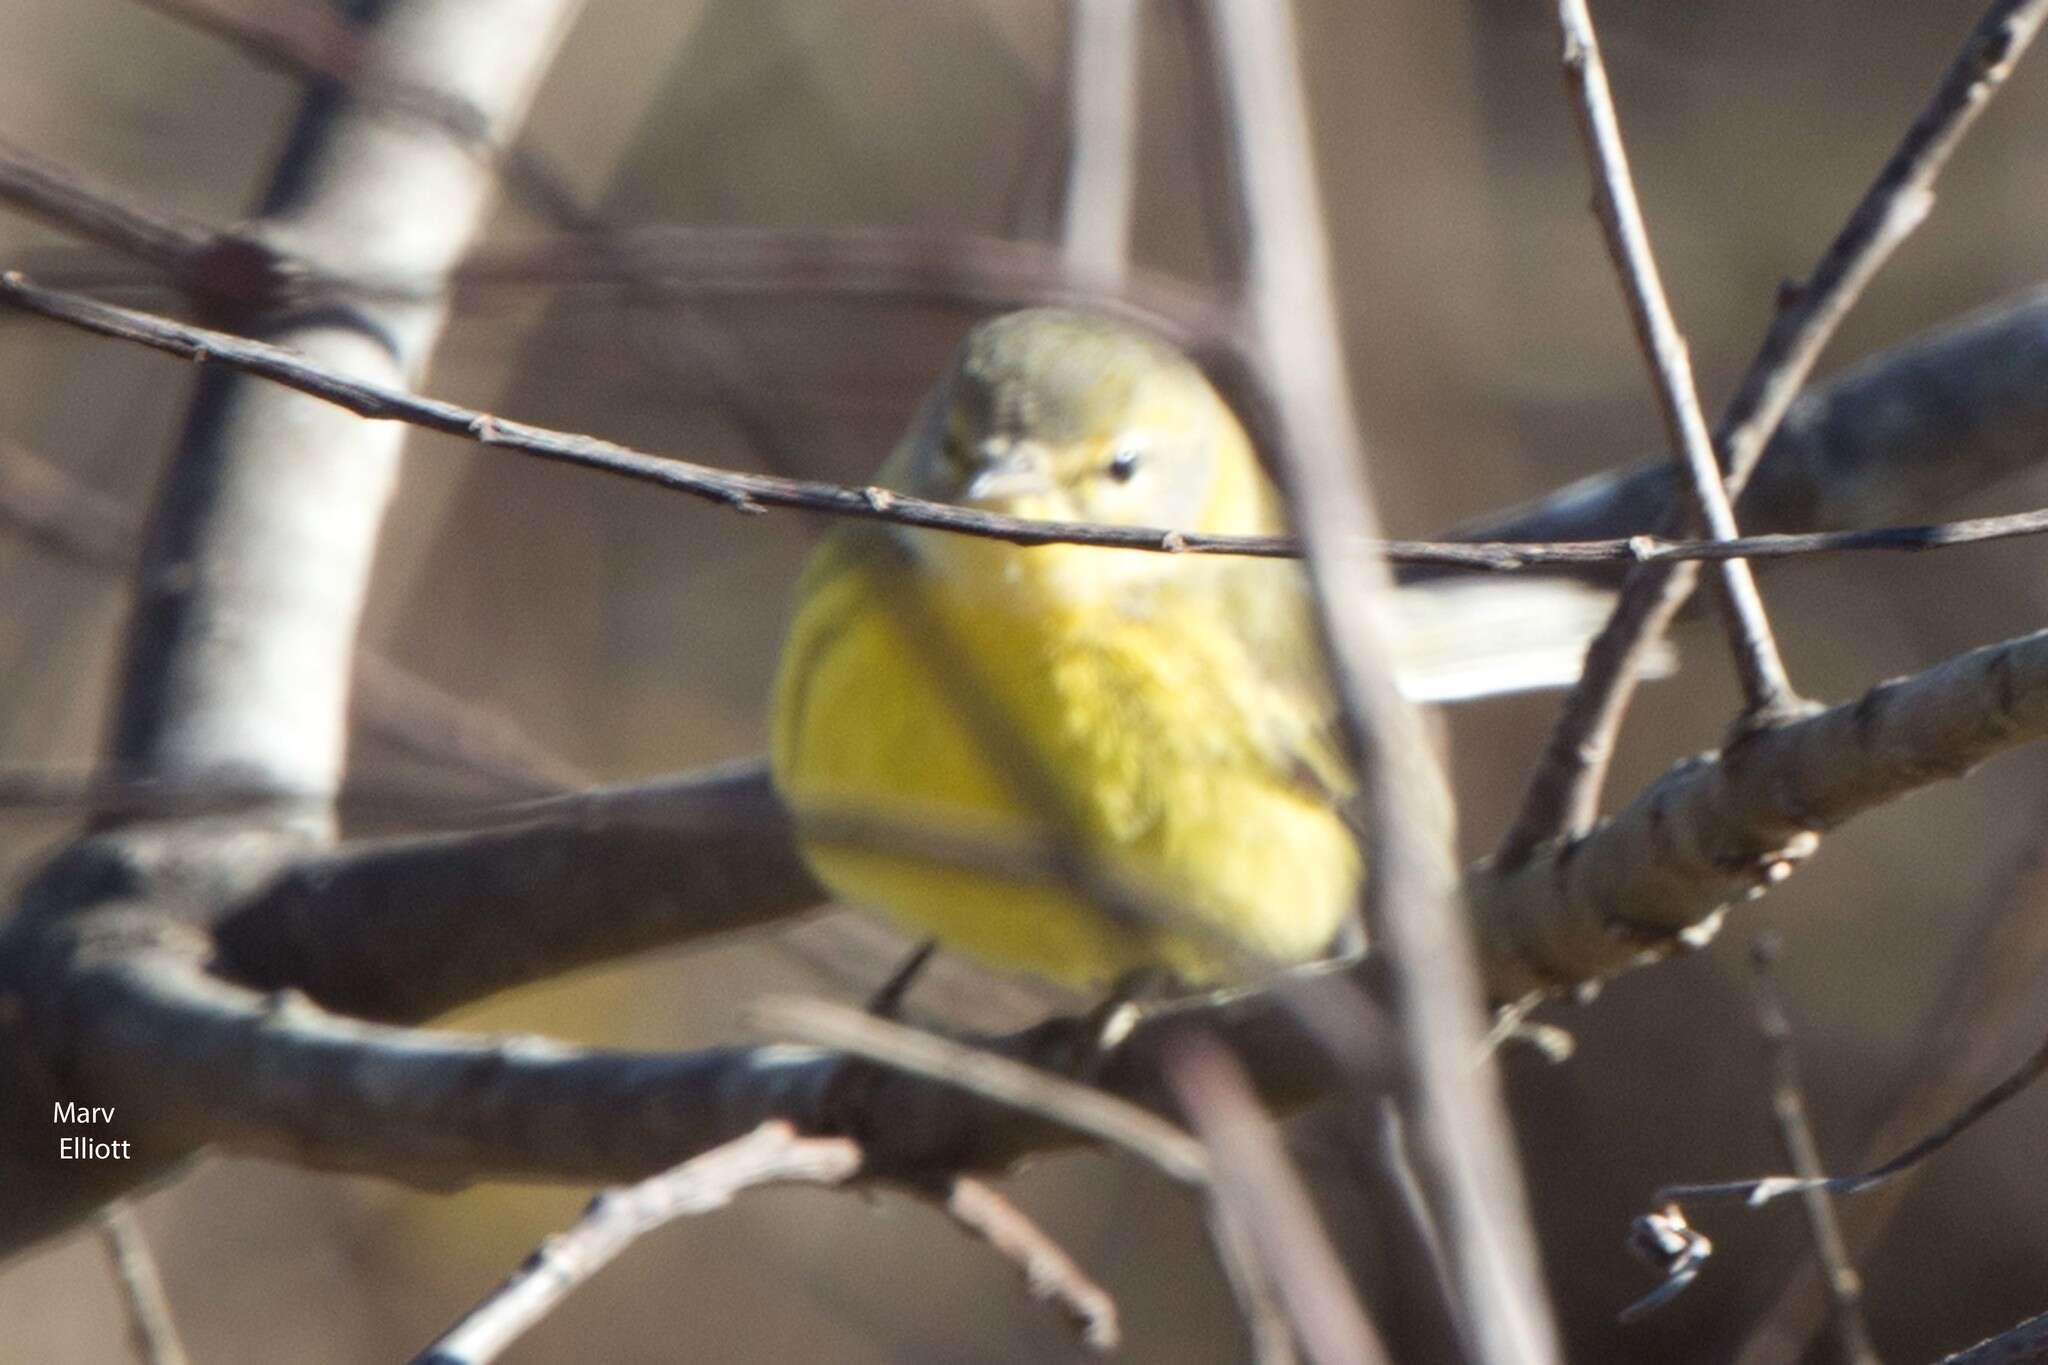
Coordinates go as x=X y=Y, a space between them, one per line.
x=634 y=633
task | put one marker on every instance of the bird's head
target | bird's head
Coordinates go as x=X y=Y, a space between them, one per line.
x=1055 y=415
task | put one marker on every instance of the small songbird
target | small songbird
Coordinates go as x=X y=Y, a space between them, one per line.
x=1165 y=714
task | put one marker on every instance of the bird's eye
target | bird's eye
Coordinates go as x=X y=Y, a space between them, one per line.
x=1123 y=465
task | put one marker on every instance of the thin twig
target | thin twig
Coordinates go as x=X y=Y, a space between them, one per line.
x=1410 y=1243
x=1762 y=1190
x=1253 y=1177
x=1102 y=169
x=754 y=492
x=1765 y=687
x=1564 y=792
x=1896 y=203
x=772 y=1154
x=1411 y=905
x=1795 y=1137
x=419 y=716
x=1965 y=1030
x=150 y=1327
x=1050 y=1274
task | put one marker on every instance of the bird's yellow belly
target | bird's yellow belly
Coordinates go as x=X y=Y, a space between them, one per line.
x=1157 y=772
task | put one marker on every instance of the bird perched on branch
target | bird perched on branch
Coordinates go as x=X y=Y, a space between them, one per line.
x=1081 y=762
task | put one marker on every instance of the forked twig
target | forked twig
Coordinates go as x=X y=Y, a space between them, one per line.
x=1564 y=792
x=1766 y=689
x=770 y=1155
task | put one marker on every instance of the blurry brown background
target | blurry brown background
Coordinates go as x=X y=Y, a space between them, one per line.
x=635 y=632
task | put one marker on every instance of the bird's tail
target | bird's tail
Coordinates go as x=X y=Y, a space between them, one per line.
x=1464 y=638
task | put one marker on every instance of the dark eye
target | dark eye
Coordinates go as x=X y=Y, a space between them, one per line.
x=1123 y=465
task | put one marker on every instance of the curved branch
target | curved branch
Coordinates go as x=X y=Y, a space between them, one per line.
x=249 y=594
x=1713 y=831
x=146 y=1026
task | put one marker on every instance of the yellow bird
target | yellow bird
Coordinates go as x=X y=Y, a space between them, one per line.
x=1165 y=714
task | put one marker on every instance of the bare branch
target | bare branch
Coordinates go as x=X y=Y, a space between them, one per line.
x=1766 y=689
x=1723 y=828
x=772 y=1154
x=1102 y=171
x=1943 y=415
x=1713 y=831
x=195 y=1059
x=405 y=929
x=240 y=648
x=1411 y=901
x=1564 y=793
x=753 y=492
x=1264 y=1195
x=1258 y=1299
x=1802 y=1156
x=1896 y=203
x=1050 y=1274
x=250 y=590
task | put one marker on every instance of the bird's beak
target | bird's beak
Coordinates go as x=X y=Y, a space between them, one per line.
x=1008 y=473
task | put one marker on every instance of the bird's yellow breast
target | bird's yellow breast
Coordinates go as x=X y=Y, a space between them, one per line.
x=1138 y=705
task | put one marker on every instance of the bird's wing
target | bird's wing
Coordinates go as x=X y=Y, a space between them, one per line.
x=1292 y=709
x=1454 y=640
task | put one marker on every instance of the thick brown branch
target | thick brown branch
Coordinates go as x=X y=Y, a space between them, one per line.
x=1721 y=829
x=406 y=929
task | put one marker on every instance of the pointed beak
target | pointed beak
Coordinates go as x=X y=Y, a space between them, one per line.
x=1007 y=473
